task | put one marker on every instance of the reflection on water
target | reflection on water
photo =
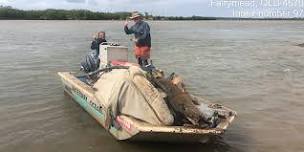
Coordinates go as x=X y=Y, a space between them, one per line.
x=217 y=145
x=254 y=67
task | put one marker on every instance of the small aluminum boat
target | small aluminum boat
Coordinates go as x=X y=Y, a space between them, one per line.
x=128 y=128
x=125 y=127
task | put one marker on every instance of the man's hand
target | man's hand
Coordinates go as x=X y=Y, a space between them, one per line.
x=94 y=36
x=134 y=39
x=126 y=23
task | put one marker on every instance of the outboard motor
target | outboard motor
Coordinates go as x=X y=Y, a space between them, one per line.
x=91 y=62
x=108 y=53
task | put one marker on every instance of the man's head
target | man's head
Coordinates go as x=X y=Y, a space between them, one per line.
x=101 y=35
x=136 y=16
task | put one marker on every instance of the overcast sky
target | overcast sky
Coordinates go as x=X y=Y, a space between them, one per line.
x=171 y=7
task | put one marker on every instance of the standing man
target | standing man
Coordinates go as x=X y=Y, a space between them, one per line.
x=141 y=31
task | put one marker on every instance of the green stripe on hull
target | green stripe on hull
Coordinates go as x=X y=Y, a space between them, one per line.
x=84 y=104
x=92 y=111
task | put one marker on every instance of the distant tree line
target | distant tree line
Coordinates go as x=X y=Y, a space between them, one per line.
x=183 y=18
x=7 y=12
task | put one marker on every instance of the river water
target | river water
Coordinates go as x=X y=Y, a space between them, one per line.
x=253 y=67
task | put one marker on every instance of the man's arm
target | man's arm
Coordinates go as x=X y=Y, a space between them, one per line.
x=93 y=45
x=127 y=29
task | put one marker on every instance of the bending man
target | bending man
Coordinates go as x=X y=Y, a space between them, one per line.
x=141 y=31
x=98 y=39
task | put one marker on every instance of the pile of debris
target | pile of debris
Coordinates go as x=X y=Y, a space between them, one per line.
x=186 y=109
x=149 y=96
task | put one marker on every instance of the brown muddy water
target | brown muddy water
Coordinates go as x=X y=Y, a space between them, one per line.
x=254 y=67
